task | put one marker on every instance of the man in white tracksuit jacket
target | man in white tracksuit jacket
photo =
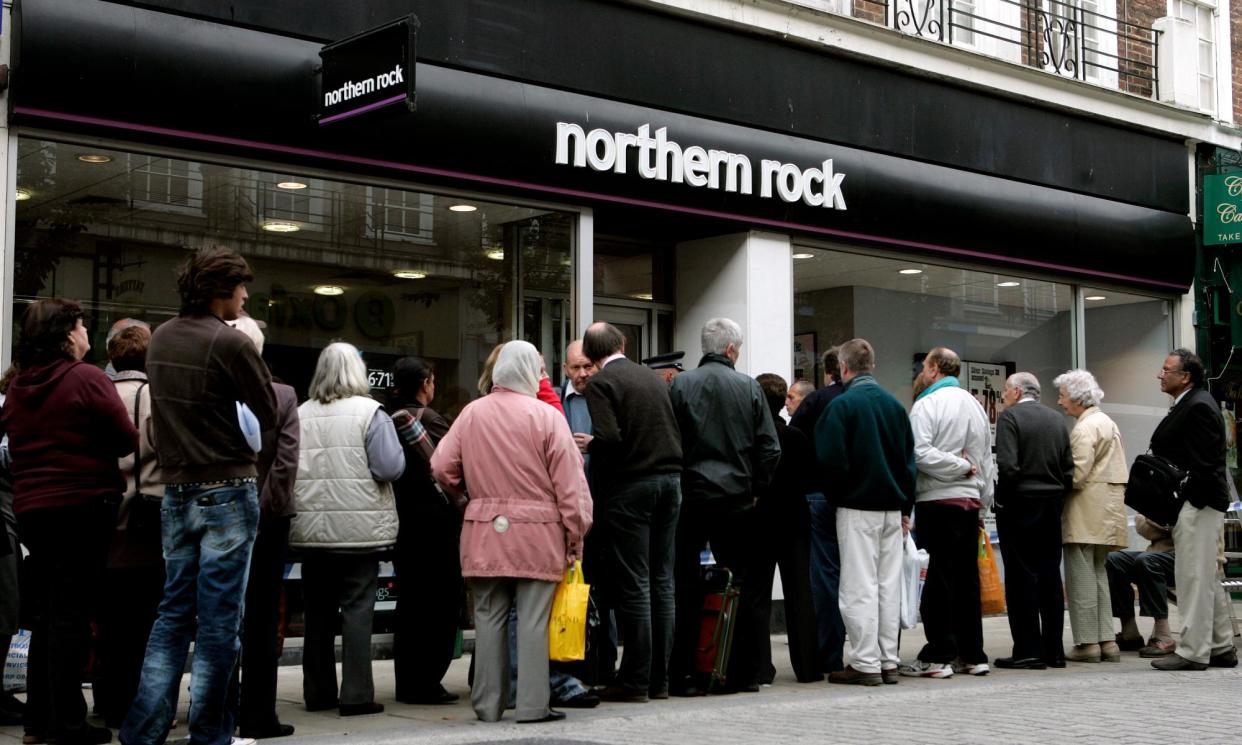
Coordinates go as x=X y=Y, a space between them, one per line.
x=953 y=450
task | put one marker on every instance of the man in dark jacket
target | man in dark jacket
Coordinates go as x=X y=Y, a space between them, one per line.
x=825 y=553
x=730 y=455
x=1035 y=469
x=866 y=449
x=200 y=370
x=278 y=470
x=1193 y=437
x=636 y=460
x=784 y=538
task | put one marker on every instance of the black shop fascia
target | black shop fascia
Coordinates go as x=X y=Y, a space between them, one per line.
x=542 y=117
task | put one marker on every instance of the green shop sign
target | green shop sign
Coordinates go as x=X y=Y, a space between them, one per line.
x=1222 y=209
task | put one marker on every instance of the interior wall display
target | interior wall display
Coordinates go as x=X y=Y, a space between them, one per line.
x=986 y=382
x=805 y=359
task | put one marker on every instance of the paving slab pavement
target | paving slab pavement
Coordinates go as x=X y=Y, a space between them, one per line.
x=1127 y=702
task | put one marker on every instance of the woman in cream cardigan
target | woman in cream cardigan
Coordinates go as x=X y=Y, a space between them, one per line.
x=1094 y=519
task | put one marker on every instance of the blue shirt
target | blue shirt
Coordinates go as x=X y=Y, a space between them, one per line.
x=575 y=405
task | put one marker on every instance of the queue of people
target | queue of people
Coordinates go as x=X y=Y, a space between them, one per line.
x=178 y=487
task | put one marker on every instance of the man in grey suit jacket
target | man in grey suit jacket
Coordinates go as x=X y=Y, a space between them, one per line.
x=1036 y=469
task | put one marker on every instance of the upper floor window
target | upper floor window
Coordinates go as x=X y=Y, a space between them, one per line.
x=166 y=184
x=1203 y=16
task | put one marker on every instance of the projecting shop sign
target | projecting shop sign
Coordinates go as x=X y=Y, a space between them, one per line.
x=1222 y=210
x=369 y=71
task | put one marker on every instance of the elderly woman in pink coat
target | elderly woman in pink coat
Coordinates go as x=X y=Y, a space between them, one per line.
x=528 y=511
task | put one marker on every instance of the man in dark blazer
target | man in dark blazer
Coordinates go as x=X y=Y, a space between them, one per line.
x=635 y=454
x=1193 y=437
x=1036 y=469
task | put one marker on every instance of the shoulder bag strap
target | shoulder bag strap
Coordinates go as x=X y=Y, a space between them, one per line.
x=138 y=450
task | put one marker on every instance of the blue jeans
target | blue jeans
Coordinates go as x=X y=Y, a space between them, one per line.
x=208 y=534
x=826 y=581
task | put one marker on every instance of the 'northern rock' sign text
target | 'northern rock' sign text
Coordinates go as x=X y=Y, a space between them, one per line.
x=661 y=159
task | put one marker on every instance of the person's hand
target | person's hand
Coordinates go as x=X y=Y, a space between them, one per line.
x=905 y=525
x=583 y=441
x=974 y=470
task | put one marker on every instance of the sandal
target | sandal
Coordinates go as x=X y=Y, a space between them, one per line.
x=1158 y=647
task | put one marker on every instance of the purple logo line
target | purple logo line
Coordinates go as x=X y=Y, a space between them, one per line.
x=361 y=109
x=580 y=194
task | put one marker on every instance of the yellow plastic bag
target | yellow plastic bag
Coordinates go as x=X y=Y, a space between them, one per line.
x=568 y=624
x=991 y=593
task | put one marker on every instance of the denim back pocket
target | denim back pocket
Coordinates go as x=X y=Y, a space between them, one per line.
x=229 y=516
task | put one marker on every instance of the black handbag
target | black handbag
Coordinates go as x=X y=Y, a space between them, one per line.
x=1156 y=488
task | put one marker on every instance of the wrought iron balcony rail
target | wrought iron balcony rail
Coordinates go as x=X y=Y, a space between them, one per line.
x=1059 y=36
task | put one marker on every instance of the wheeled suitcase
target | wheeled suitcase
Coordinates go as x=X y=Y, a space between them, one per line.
x=720 y=604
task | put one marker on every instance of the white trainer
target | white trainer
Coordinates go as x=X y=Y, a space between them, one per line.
x=921 y=669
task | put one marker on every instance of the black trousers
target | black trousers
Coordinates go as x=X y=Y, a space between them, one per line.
x=950 y=606
x=133 y=597
x=429 y=598
x=1029 y=529
x=784 y=533
x=728 y=527
x=68 y=547
x=260 y=652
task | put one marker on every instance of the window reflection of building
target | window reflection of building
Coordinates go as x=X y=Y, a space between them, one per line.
x=412 y=275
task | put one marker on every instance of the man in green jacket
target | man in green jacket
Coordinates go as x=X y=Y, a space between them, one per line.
x=866 y=448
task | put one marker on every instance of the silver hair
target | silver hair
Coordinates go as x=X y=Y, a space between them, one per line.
x=719 y=333
x=803 y=386
x=250 y=328
x=1026 y=383
x=1080 y=387
x=340 y=373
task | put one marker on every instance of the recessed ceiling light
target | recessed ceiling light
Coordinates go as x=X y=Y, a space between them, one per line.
x=94 y=158
x=22 y=195
x=329 y=290
x=1095 y=297
x=1008 y=284
x=462 y=208
x=291 y=185
x=642 y=296
x=496 y=254
x=804 y=256
x=409 y=274
x=281 y=226
x=910 y=271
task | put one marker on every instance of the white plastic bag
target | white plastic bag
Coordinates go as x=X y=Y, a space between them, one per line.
x=913 y=573
x=15 y=665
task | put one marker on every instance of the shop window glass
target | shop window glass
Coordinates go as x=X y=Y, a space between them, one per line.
x=1125 y=364
x=997 y=323
x=449 y=296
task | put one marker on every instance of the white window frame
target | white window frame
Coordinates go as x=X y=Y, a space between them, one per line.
x=423 y=213
x=1098 y=33
x=989 y=15
x=1204 y=14
x=140 y=169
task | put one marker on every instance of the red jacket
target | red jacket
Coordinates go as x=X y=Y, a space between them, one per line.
x=67 y=427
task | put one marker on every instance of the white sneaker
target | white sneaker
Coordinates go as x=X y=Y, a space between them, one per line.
x=921 y=669
x=979 y=668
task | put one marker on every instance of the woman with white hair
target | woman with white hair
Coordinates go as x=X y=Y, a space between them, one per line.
x=349 y=456
x=528 y=512
x=1094 y=520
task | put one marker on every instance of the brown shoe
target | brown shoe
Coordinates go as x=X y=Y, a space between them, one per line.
x=1175 y=661
x=850 y=676
x=1158 y=647
x=890 y=676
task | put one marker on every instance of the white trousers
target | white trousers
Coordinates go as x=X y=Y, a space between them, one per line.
x=870 y=594
x=1202 y=603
